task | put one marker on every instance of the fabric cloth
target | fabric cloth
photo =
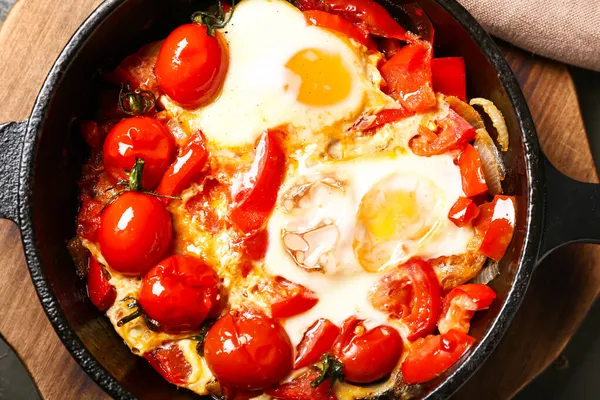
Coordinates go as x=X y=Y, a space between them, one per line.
x=565 y=30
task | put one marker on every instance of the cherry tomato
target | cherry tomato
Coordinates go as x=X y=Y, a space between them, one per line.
x=300 y=389
x=187 y=168
x=410 y=293
x=137 y=70
x=179 y=293
x=370 y=355
x=496 y=225
x=408 y=77
x=473 y=180
x=317 y=340
x=247 y=350
x=289 y=298
x=135 y=233
x=433 y=355
x=170 y=362
x=88 y=219
x=192 y=65
x=139 y=137
x=456 y=132
x=449 y=77
x=383 y=117
x=339 y=24
x=461 y=303
x=101 y=293
x=255 y=201
x=463 y=212
x=367 y=14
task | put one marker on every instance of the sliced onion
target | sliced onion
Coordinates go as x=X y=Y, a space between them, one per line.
x=497 y=120
x=466 y=111
x=491 y=161
x=488 y=273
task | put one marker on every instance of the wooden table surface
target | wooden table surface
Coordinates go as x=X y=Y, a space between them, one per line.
x=562 y=289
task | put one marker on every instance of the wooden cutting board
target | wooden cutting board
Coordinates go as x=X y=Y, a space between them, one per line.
x=562 y=290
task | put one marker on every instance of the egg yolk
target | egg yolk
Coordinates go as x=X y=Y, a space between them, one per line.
x=391 y=225
x=325 y=80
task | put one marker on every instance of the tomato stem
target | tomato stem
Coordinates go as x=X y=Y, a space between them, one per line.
x=214 y=18
x=331 y=369
x=136 y=102
x=201 y=337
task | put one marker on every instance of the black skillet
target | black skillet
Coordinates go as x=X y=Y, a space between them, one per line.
x=40 y=162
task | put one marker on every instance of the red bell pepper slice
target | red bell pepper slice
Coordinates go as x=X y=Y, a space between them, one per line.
x=408 y=77
x=421 y=21
x=471 y=171
x=412 y=294
x=101 y=293
x=433 y=355
x=367 y=14
x=382 y=118
x=137 y=69
x=338 y=24
x=290 y=298
x=317 y=340
x=496 y=225
x=463 y=212
x=449 y=77
x=88 y=219
x=300 y=389
x=170 y=362
x=255 y=201
x=188 y=167
x=456 y=132
x=461 y=303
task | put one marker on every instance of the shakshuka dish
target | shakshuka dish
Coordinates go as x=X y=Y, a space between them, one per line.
x=293 y=201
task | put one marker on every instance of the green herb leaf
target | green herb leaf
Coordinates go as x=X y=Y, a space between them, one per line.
x=331 y=369
x=135 y=176
x=201 y=337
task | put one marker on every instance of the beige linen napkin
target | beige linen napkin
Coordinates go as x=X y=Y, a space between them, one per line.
x=567 y=30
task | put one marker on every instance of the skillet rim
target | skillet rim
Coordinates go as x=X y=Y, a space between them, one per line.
x=526 y=262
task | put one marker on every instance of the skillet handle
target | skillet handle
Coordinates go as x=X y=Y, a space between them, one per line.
x=11 y=145
x=571 y=211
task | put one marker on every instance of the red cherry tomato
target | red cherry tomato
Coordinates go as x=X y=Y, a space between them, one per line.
x=317 y=340
x=247 y=350
x=135 y=233
x=408 y=77
x=339 y=24
x=255 y=201
x=300 y=389
x=463 y=212
x=188 y=166
x=139 y=137
x=366 y=14
x=496 y=225
x=473 y=180
x=88 y=219
x=461 y=303
x=170 y=362
x=433 y=355
x=179 y=293
x=192 y=65
x=410 y=293
x=370 y=355
x=289 y=298
x=456 y=132
x=449 y=77
x=137 y=70
x=383 y=117
x=101 y=293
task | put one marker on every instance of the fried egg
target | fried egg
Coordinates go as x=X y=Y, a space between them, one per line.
x=284 y=73
x=339 y=226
